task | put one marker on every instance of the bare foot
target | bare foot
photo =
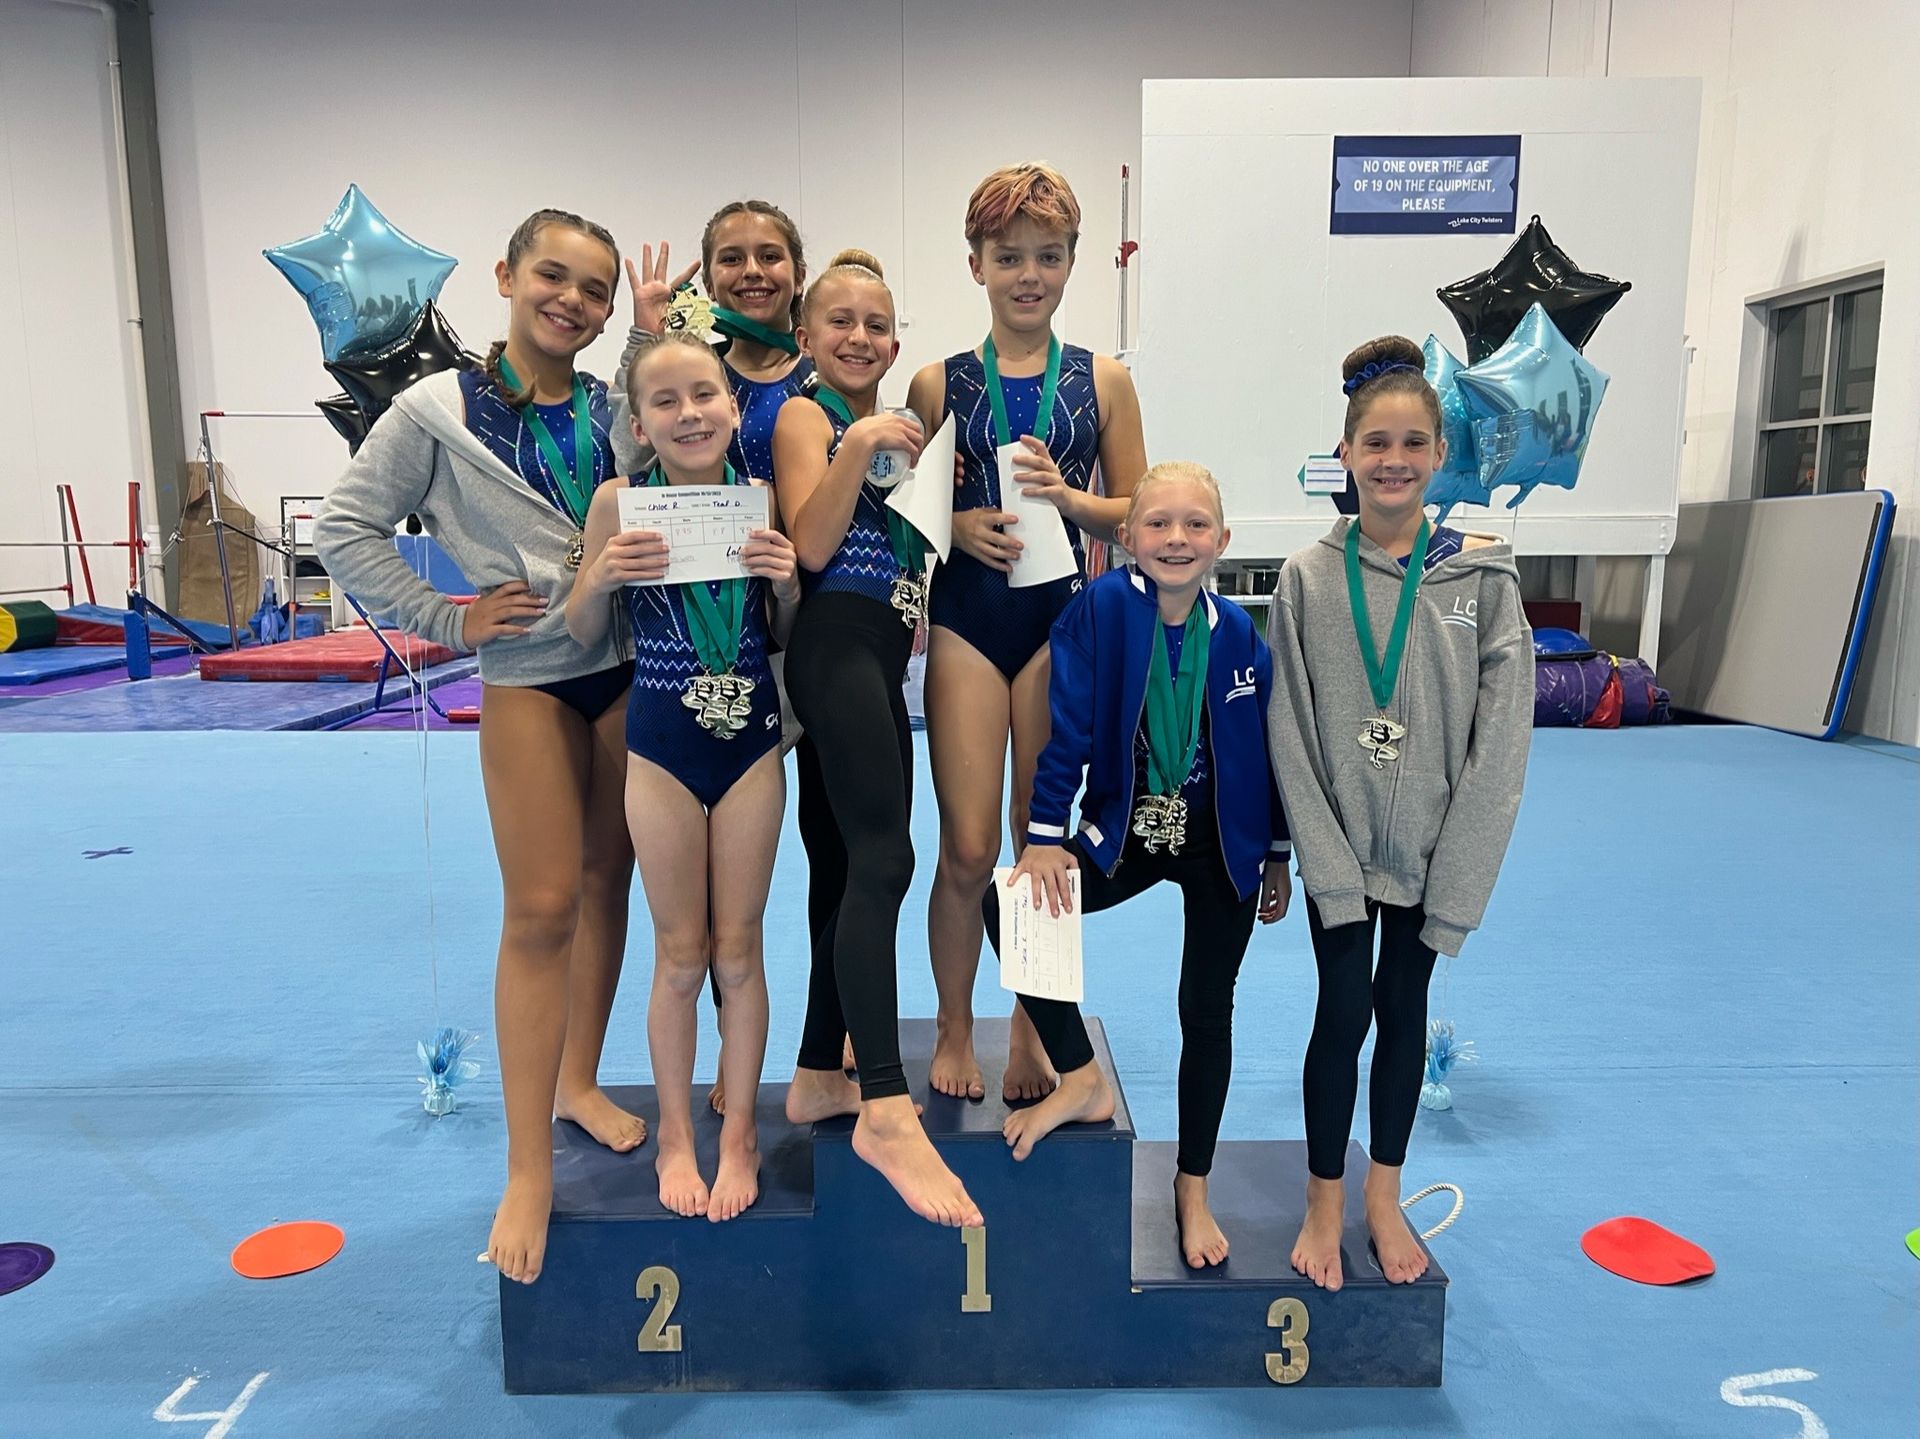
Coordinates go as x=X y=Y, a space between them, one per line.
x=717 y=1098
x=846 y=1056
x=602 y=1118
x=518 y=1244
x=1200 y=1238
x=889 y=1137
x=681 y=1188
x=1028 y=1075
x=737 y=1184
x=1402 y=1259
x=1316 y=1253
x=817 y=1094
x=1084 y=1096
x=955 y=1071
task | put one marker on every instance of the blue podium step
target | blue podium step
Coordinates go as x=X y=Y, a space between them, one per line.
x=830 y=1282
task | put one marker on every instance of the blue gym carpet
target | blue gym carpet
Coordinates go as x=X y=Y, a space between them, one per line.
x=1694 y=1000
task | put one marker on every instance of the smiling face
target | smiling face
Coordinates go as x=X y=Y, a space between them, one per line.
x=1392 y=453
x=750 y=269
x=848 y=330
x=1025 y=273
x=561 y=292
x=682 y=405
x=1174 y=531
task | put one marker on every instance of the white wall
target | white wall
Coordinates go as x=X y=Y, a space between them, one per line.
x=869 y=120
x=1808 y=154
x=68 y=356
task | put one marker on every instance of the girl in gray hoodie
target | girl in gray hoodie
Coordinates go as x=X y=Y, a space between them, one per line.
x=501 y=465
x=1399 y=725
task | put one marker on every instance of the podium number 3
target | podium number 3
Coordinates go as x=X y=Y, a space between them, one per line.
x=656 y=1335
x=975 y=1299
x=1289 y=1316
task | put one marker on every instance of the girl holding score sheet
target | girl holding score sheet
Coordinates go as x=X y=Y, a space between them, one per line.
x=1032 y=412
x=1159 y=694
x=705 y=786
x=1402 y=768
x=864 y=569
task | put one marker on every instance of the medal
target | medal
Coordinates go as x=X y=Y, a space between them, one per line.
x=1381 y=737
x=721 y=704
x=691 y=311
x=910 y=598
x=572 y=483
x=576 y=549
x=1173 y=708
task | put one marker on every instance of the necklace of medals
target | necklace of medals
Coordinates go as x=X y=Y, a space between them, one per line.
x=1380 y=737
x=574 y=482
x=1174 y=703
x=909 y=595
x=721 y=700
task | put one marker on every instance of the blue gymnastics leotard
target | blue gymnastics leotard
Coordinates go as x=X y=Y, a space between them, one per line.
x=505 y=431
x=664 y=730
x=760 y=402
x=864 y=563
x=973 y=600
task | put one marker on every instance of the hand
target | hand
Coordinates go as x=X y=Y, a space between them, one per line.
x=1039 y=477
x=1048 y=866
x=883 y=431
x=652 y=291
x=976 y=532
x=496 y=614
x=770 y=555
x=1276 y=889
x=627 y=556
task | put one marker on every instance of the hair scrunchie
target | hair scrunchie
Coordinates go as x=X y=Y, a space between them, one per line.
x=1373 y=370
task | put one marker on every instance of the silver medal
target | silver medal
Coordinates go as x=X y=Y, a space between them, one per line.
x=1380 y=738
x=721 y=704
x=1161 y=819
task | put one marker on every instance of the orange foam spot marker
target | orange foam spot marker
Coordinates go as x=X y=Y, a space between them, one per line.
x=284 y=1249
x=1640 y=1250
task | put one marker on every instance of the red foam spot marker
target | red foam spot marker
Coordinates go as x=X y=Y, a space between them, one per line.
x=1640 y=1250
x=284 y=1249
x=464 y=714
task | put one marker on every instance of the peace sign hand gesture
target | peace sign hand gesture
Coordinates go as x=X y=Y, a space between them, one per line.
x=652 y=292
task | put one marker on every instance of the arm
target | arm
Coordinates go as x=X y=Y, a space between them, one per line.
x=1063 y=763
x=979 y=532
x=1123 y=447
x=652 y=292
x=1276 y=885
x=589 y=603
x=770 y=555
x=820 y=494
x=1328 y=867
x=1479 y=823
x=387 y=480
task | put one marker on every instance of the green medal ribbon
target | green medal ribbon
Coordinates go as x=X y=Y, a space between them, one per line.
x=739 y=327
x=1174 y=703
x=575 y=481
x=909 y=548
x=1383 y=674
x=712 y=619
x=1002 y=435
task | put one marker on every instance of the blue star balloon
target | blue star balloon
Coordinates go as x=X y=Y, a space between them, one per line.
x=1532 y=403
x=362 y=278
x=1458 y=481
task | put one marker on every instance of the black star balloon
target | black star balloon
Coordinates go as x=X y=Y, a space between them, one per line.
x=345 y=417
x=1534 y=271
x=371 y=381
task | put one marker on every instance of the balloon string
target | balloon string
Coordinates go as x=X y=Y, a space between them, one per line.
x=1459 y=1201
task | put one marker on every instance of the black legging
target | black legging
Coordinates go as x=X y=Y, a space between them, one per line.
x=1218 y=925
x=1354 y=992
x=845 y=665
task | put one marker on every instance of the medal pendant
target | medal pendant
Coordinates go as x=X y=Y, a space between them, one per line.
x=1161 y=819
x=1380 y=738
x=721 y=704
x=910 y=598
x=576 y=549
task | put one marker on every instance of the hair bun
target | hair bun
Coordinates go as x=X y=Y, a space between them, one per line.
x=1386 y=351
x=861 y=259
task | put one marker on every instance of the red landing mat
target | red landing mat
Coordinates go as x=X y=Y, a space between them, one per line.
x=347 y=655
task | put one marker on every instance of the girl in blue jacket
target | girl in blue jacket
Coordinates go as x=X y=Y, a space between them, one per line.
x=1159 y=696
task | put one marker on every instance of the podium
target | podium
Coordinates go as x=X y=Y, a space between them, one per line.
x=829 y=1282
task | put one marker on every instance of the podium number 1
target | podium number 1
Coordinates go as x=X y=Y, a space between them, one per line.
x=656 y=1335
x=976 y=1300
x=1289 y=1316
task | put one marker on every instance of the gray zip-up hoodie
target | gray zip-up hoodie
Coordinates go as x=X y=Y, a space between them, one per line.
x=1431 y=827
x=420 y=458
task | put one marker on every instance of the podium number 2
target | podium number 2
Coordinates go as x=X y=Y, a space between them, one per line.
x=975 y=1299
x=656 y=1335
x=1289 y=1316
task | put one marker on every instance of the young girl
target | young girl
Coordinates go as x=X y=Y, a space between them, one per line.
x=1159 y=690
x=705 y=787
x=864 y=572
x=753 y=266
x=1065 y=409
x=501 y=465
x=1399 y=729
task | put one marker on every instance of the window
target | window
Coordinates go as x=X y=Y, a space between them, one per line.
x=1816 y=404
